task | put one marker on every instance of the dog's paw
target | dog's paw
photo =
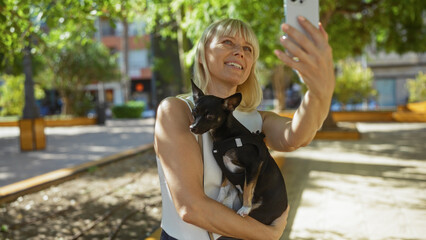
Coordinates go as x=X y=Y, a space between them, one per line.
x=244 y=211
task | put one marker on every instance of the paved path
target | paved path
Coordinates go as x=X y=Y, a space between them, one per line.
x=69 y=146
x=374 y=188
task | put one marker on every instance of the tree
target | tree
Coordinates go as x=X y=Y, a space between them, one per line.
x=73 y=64
x=24 y=31
x=354 y=83
x=390 y=25
x=166 y=66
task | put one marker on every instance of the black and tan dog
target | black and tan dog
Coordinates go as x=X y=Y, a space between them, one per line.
x=242 y=156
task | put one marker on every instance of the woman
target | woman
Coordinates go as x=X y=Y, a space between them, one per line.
x=225 y=63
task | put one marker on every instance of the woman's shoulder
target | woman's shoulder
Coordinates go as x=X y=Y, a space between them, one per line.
x=268 y=114
x=173 y=110
x=171 y=102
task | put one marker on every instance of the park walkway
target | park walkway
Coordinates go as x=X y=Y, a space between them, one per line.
x=69 y=146
x=374 y=188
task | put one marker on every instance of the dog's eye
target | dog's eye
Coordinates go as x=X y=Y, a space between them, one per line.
x=210 y=117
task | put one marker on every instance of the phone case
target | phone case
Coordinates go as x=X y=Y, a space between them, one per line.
x=307 y=8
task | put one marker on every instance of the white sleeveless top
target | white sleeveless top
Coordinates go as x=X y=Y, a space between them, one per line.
x=171 y=222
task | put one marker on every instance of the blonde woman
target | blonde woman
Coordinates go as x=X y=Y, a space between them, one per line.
x=225 y=64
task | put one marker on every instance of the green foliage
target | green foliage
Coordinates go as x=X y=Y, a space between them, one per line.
x=389 y=25
x=132 y=109
x=4 y=228
x=50 y=27
x=417 y=88
x=197 y=15
x=127 y=10
x=12 y=98
x=392 y=25
x=28 y=21
x=92 y=169
x=72 y=64
x=354 y=83
x=82 y=104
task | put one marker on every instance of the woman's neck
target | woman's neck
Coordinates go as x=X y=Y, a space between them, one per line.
x=221 y=90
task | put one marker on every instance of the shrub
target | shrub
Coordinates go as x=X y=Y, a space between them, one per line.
x=417 y=88
x=82 y=104
x=12 y=96
x=354 y=83
x=132 y=109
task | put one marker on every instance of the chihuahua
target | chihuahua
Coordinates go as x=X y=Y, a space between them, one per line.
x=242 y=156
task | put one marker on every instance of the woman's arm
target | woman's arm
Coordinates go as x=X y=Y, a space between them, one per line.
x=180 y=156
x=315 y=66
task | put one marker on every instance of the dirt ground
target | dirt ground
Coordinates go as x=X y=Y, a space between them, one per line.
x=118 y=201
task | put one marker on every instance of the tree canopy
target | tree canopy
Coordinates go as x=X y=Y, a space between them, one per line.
x=390 y=25
x=29 y=22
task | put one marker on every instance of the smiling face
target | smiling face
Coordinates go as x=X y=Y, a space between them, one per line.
x=213 y=57
x=229 y=59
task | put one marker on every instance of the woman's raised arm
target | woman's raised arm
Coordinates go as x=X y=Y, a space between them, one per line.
x=314 y=63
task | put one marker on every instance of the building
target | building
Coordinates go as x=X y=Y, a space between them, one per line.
x=139 y=62
x=391 y=72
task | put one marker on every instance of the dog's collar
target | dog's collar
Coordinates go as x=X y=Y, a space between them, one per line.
x=236 y=142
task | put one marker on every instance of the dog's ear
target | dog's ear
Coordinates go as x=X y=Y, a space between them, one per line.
x=196 y=92
x=232 y=102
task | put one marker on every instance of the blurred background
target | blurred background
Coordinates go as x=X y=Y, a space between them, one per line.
x=83 y=58
x=105 y=66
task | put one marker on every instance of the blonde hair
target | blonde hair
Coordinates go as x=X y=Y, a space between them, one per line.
x=250 y=89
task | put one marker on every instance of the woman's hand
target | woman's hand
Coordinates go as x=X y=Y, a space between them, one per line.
x=279 y=224
x=314 y=59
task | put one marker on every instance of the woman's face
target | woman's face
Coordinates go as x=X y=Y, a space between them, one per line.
x=229 y=59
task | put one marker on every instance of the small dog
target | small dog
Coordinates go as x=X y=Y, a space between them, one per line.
x=242 y=156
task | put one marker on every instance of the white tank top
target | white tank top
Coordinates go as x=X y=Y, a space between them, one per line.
x=171 y=222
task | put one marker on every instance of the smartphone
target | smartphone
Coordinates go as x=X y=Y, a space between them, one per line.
x=306 y=8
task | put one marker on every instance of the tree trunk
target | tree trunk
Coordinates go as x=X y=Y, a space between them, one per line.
x=329 y=123
x=30 y=108
x=67 y=108
x=125 y=82
x=154 y=97
x=325 y=17
x=281 y=78
x=182 y=47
